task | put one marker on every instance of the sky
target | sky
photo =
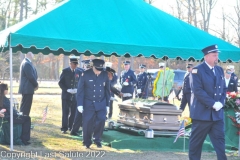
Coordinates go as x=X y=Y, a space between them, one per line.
x=215 y=21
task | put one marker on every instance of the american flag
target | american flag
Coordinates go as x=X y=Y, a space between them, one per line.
x=181 y=131
x=44 y=114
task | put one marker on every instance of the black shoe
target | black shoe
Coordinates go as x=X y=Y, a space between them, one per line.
x=99 y=145
x=26 y=143
x=87 y=147
x=64 y=132
x=74 y=134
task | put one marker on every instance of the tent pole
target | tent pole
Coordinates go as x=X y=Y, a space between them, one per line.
x=11 y=98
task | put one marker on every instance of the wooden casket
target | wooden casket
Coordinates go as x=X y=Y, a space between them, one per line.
x=155 y=115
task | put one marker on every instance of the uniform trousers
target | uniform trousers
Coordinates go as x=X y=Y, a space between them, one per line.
x=93 y=121
x=200 y=129
x=26 y=126
x=110 y=109
x=68 y=113
x=26 y=104
x=186 y=98
x=77 y=122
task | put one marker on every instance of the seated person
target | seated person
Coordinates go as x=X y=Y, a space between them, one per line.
x=17 y=118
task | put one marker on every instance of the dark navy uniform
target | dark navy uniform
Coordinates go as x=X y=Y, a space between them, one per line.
x=129 y=77
x=93 y=94
x=68 y=80
x=112 y=83
x=141 y=84
x=232 y=86
x=208 y=88
x=77 y=123
x=186 y=90
x=186 y=93
x=234 y=77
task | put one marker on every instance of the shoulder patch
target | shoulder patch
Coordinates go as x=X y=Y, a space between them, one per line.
x=194 y=71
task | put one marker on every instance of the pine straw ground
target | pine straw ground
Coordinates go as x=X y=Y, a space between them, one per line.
x=47 y=142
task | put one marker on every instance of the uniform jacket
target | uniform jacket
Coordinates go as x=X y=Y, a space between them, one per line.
x=234 y=77
x=186 y=85
x=69 y=80
x=28 y=77
x=207 y=89
x=112 y=83
x=141 y=81
x=130 y=77
x=93 y=90
x=232 y=86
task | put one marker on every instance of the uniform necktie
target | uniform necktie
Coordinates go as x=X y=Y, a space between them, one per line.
x=213 y=71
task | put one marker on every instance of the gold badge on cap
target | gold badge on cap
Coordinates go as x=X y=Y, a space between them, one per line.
x=194 y=71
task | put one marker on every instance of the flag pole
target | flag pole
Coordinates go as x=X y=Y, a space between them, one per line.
x=184 y=137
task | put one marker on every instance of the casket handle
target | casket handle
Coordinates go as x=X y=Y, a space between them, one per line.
x=164 y=119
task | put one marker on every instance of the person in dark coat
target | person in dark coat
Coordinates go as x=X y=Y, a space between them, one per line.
x=231 y=84
x=128 y=80
x=93 y=96
x=186 y=89
x=77 y=123
x=18 y=118
x=142 y=79
x=28 y=83
x=113 y=81
x=233 y=75
x=208 y=98
x=68 y=83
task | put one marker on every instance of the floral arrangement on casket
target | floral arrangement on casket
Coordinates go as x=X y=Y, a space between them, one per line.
x=233 y=102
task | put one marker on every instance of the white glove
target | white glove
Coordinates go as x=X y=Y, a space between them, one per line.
x=69 y=90
x=139 y=91
x=113 y=99
x=107 y=110
x=80 y=109
x=125 y=83
x=74 y=90
x=217 y=106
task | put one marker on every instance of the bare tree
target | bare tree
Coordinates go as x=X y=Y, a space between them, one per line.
x=235 y=22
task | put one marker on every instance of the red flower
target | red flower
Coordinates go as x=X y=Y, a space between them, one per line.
x=126 y=80
x=77 y=75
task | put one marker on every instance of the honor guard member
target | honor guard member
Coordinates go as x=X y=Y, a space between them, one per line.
x=127 y=80
x=186 y=89
x=142 y=82
x=93 y=101
x=113 y=81
x=68 y=83
x=231 y=84
x=208 y=98
x=233 y=75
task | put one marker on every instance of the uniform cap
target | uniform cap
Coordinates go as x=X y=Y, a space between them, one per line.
x=142 y=66
x=161 y=64
x=108 y=64
x=230 y=67
x=189 y=65
x=98 y=64
x=108 y=69
x=126 y=62
x=73 y=59
x=210 y=49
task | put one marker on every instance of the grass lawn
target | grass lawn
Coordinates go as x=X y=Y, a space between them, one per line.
x=47 y=142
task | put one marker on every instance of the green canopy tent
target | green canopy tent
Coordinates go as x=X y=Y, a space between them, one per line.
x=123 y=28
x=113 y=27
